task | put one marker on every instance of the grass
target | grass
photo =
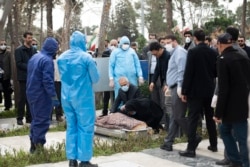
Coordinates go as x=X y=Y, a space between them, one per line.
x=8 y=114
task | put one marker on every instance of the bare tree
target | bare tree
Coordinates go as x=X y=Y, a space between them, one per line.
x=104 y=25
x=49 y=17
x=7 y=9
x=170 y=23
x=243 y=21
x=30 y=8
x=66 y=25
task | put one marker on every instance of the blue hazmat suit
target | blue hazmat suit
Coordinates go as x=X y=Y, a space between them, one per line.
x=78 y=72
x=124 y=63
x=40 y=89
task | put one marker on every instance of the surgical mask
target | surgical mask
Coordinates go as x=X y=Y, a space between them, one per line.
x=34 y=46
x=125 y=88
x=3 y=47
x=125 y=46
x=169 y=47
x=188 y=40
x=112 y=48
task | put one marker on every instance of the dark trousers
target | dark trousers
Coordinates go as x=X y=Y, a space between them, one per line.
x=22 y=102
x=7 y=91
x=58 y=110
x=106 y=97
x=196 y=107
x=235 y=155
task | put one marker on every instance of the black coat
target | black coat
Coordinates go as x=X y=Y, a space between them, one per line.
x=22 y=56
x=161 y=68
x=145 y=110
x=234 y=83
x=5 y=64
x=122 y=97
x=200 y=72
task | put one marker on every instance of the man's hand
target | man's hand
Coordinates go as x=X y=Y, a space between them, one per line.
x=123 y=108
x=151 y=86
x=141 y=81
x=165 y=87
x=55 y=101
x=217 y=120
x=184 y=98
x=111 y=83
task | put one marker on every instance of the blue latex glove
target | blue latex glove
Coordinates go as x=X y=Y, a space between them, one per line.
x=55 y=101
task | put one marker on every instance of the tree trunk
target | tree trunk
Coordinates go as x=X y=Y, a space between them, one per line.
x=41 y=26
x=170 y=24
x=14 y=43
x=31 y=3
x=103 y=26
x=243 y=23
x=181 y=8
x=49 y=18
x=66 y=25
x=6 y=10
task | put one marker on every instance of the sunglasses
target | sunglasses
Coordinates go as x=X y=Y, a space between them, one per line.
x=34 y=44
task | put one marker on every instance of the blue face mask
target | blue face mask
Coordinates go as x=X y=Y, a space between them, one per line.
x=125 y=88
x=34 y=46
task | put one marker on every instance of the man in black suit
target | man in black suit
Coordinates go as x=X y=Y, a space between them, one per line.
x=127 y=92
x=197 y=90
x=232 y=106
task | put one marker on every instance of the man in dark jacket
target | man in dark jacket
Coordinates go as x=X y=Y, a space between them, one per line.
x=127 y=92
x=145 y=110
x=197 y=90
x=5 y=65
x=232 y=105
x=22 y=55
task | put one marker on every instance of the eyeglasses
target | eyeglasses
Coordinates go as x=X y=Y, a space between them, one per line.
x=3 y=44
x=240 y=40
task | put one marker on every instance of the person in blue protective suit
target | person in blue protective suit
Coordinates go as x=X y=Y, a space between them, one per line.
x=78 y=72
x=40 y=91
x=124 y=62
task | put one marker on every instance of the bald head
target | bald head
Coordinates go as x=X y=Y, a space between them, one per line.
x=113 y=42
x=123 y=81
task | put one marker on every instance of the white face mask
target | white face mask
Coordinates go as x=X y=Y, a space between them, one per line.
x=112 y=48
x=125 y=88
x=169 y=47
x=3 y=47
x=125 y=46
x=188 y=40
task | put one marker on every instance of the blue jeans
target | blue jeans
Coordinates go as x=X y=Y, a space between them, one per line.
x=236 y=156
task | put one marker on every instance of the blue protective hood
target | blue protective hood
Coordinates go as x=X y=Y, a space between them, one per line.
x=78 y=41
x=50 y=46
x=123 y=40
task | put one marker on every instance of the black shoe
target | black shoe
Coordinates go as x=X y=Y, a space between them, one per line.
x=59 y=118
x=212 y=148
x=73 y=163
x=197 y=141
x=166 y=147
x=187 y=153
x=87 y=164
x=19 y=122
x=32 y=148
x=103 y=115
x=223 y=162
x=6 y=109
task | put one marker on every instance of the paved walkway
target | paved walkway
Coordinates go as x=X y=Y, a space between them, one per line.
x=145 y=158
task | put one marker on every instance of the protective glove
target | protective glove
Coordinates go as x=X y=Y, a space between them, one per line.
x=141 y=80
x=55 y=101
x=214 y=101
x=179 y=91
x=111 y=83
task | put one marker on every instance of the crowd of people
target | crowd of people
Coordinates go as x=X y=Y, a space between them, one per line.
x=203 y=79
